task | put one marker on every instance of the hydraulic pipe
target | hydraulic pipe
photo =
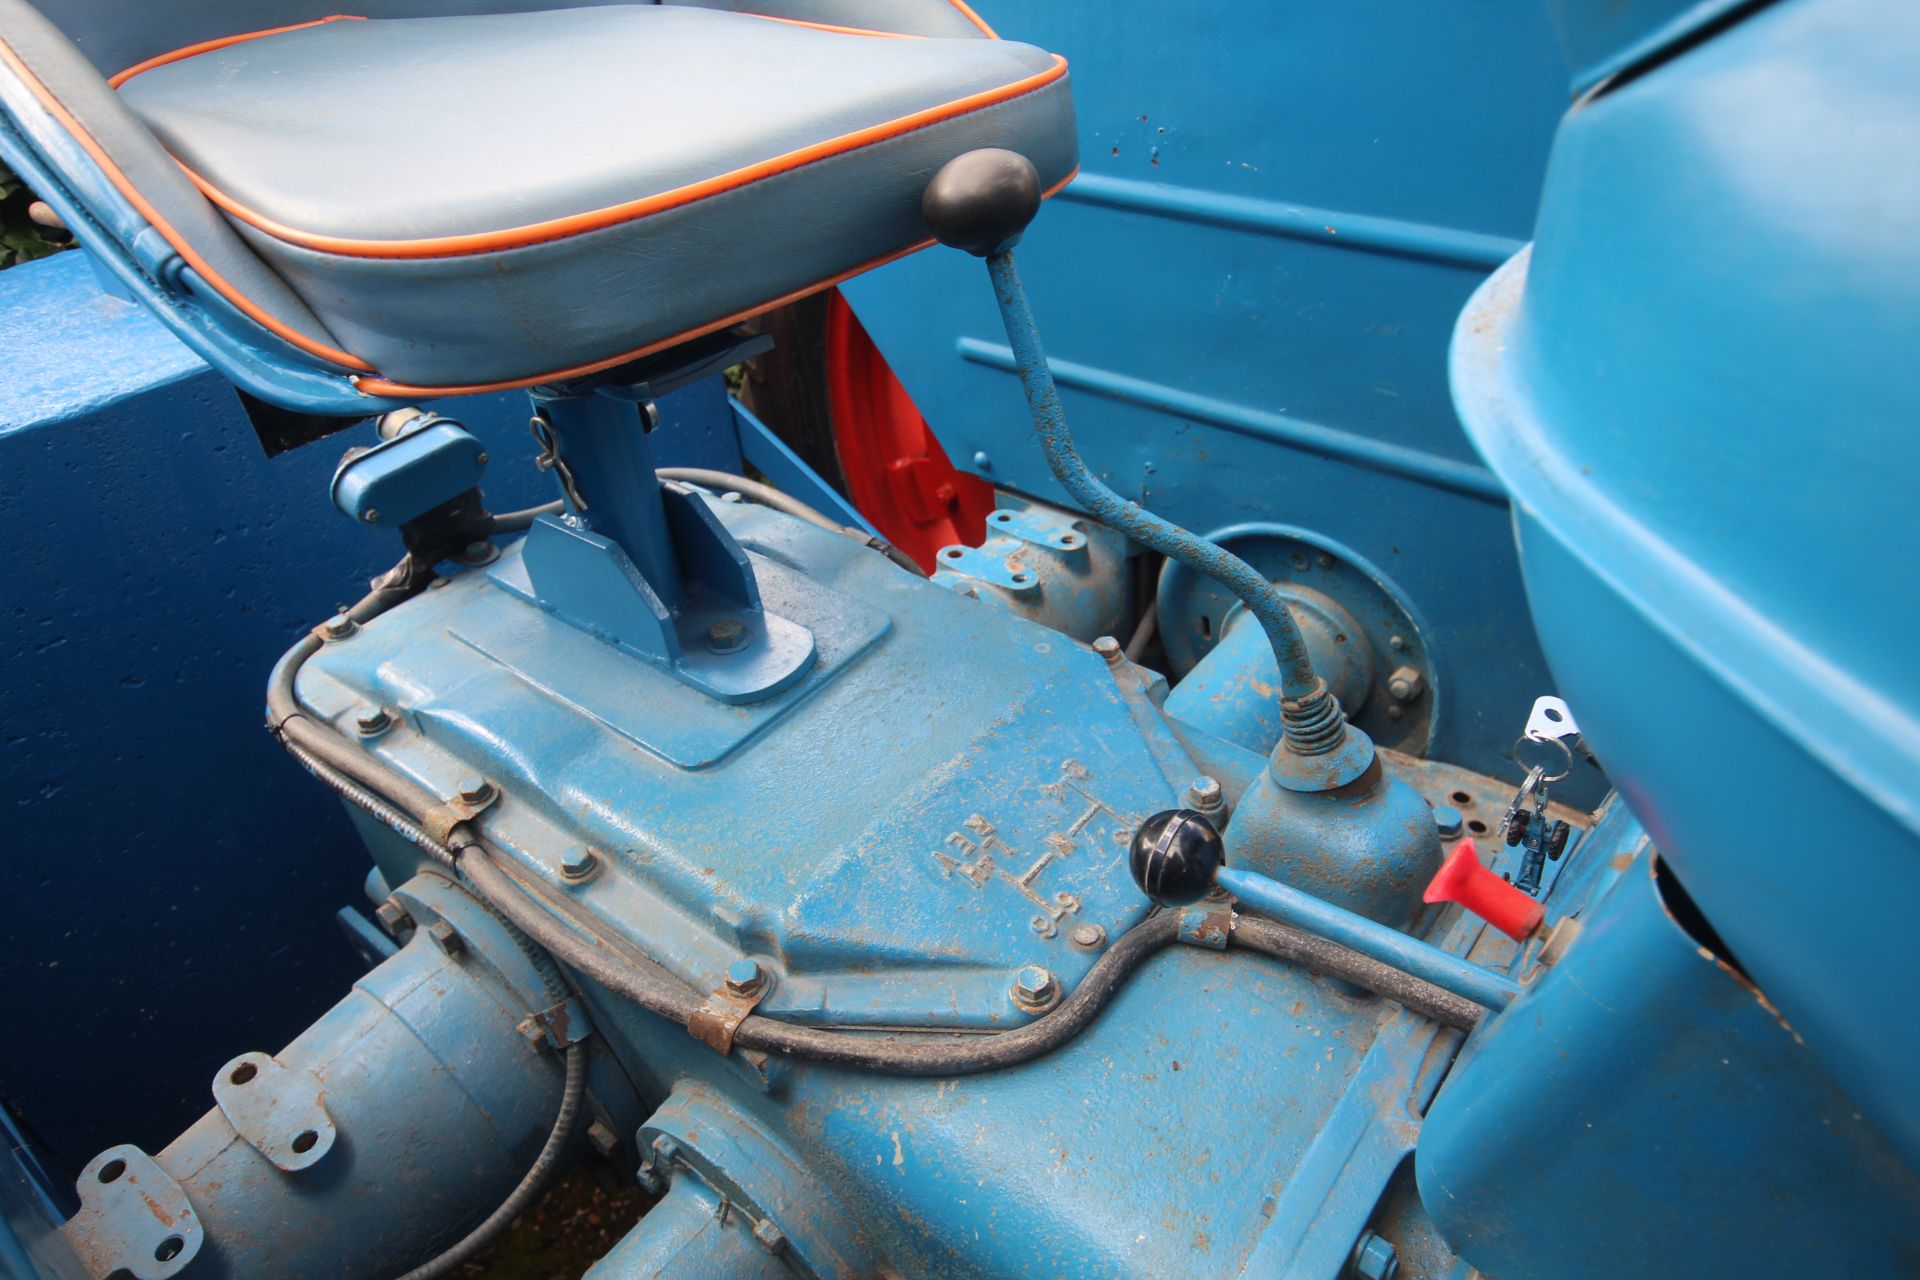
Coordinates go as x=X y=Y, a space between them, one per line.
x=1423 y=960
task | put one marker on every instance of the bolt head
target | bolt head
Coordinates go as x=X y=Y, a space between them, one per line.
x=745 y=977
x=727 y=635
x=339 y=626
x=1087 y=937
x=447 y=936
x=579 y=862
x=1374 y=1258
x=1447 y=820
x=1109 y=648
x=604 y=1139
x=393 y=918
x=1034 y=987
x=372 y=722
x=475 y=789
x=769 y=1235
x=1204 y=793
x=1405 y=684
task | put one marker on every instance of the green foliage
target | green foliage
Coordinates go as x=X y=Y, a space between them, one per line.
x=21 y=238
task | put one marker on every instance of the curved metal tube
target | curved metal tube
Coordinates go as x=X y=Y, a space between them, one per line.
x=1297 y=680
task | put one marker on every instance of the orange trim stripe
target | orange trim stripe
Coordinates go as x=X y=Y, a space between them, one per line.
x=252 y=310
x=383 y=387
x=208 y=46
x=966 y=11
x=631 y=210
x=827 y=26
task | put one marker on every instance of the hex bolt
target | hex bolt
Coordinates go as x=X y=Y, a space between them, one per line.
x=1447 y=820
x=372 y=722
x=475 y=789
x=371 y=515
x=665 y=1150
x=727 y=635
x=1374 y=1258
x=770 y=1236
x=603 y=1138
x=447 y=936
x=1087 y=937
x=1204 y=794
x=652 y=1181
x=393 y=918
x=1405 y=684
x=1034 y=988
x=339 y=626
x=1109 y=648
x=579 y=862
x=745 y=977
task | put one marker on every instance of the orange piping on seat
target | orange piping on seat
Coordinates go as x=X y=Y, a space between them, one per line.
x=208 y=46
x=92 y=147
x=383 y=387
x=827 y=26
x=966 y=11
x=598 y=219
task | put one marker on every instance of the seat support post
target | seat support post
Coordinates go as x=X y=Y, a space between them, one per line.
x=646 y=566
x=606 y=477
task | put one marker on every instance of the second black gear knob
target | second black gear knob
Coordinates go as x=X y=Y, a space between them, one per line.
x=981 y=201
x=1173 y=857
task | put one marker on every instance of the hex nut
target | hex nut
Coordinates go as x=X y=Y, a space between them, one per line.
x=393 y=918
x=604 y=1139
x=745 y=977
x=1374 y=1258
x=1405 y=684
x=579 y=862
x=1035 y=988
x=448 y=937
x=727 y=635
x=1204 y=794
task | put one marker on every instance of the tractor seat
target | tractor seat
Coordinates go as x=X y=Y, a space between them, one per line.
x=458 y=201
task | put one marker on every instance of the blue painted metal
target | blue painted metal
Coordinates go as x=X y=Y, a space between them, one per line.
x=158 y=564
x=787 y=471
x=1247 y=296
x=1303 y=910
x=1053 y=566
x=440 y=1103
x=146 y=268
x=1644 y=1079
x=1719 y=265
x=408 y=476
x=642 y=565
x=1362 y=630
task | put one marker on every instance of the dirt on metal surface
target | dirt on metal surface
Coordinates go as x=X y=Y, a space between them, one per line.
x=568 y=1230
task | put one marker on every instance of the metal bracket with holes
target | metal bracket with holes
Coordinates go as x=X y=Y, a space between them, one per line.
x=133 y=1218
x=278 y=1109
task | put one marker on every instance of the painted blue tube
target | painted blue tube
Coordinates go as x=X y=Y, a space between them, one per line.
x=1297 y=681
x=1304 y=911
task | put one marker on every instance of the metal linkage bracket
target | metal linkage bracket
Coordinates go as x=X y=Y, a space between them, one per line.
x=133 y=1218
x=278 y=1109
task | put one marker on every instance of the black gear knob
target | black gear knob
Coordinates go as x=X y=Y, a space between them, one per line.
x=1173 y=857
x=981 y=201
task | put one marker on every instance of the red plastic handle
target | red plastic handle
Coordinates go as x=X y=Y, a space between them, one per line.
x=1464 y=880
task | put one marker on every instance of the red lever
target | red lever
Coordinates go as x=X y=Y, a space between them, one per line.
x=1464 y=880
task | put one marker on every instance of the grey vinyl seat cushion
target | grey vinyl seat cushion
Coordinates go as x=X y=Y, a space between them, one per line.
x=475 y=199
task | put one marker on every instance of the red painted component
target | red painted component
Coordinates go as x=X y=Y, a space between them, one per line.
x=1464 y=880
x=896 y=472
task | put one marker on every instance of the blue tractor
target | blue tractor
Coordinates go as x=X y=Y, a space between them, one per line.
x=1383 y=755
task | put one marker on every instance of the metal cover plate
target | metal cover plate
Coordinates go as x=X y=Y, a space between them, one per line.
x=133 y=1217
x=276 y=1108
